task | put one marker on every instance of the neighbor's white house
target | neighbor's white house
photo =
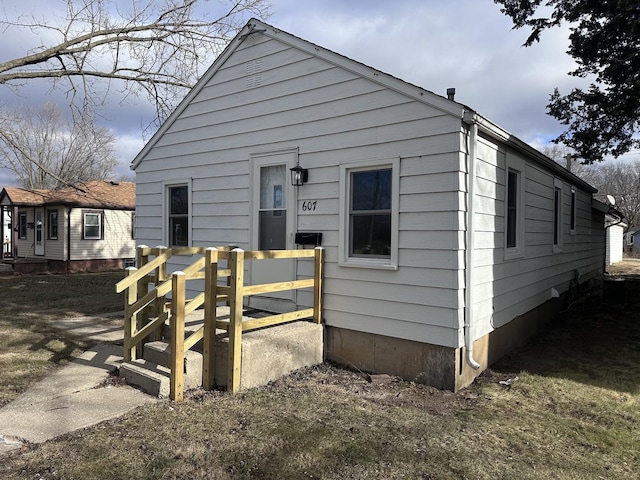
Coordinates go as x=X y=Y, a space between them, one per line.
x=446 y=237
x=85 y=227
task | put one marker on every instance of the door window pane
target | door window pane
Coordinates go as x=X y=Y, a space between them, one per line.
x=272 y=218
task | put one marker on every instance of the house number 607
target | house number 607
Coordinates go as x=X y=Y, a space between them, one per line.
x=309 y=206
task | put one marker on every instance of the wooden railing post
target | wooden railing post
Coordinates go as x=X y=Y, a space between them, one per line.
x=210 y=306
x=130 y=323
x=143 y=286
x=235 y=320
x=160 y=303
x=318 y=275
x=177 y=335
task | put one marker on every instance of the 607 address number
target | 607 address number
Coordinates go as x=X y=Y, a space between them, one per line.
x=309 y=206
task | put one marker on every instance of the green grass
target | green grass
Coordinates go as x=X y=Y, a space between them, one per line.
x=573 y=413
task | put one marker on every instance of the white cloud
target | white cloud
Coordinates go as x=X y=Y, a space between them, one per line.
x=466 y=44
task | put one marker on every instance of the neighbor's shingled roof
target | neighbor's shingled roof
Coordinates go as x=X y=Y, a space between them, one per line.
x=93 y=194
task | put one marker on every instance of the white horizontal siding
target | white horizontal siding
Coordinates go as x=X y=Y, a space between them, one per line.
x=332 y=116
x=116 y=241
x=506 y=289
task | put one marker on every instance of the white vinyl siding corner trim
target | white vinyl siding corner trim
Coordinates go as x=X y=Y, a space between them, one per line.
x=345 y=258
x=514 y=182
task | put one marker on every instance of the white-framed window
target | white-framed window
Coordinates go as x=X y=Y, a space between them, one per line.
x=557 y=215
x=514 y=208
x=369 y=214
x=178 y=214
x=573 y=212
x=22 y=225
x=52 y=225
x=91 y=225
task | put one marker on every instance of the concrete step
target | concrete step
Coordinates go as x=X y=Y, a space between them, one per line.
x=149 y=377
x=152 y=375
x=267 y=354
x=160 y=353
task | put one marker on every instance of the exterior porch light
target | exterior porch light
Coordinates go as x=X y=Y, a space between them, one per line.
x=299 y=176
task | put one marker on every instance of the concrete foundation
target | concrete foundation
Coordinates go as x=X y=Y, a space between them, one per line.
x=442 y=367
x=271 y=353
x=267 y=354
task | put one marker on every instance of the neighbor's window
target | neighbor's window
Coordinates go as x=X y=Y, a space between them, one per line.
x=514 y=208
x=52 y=231
x=92 y=225
x=178 y=216
x=557 y=215
x=22 y=225
x=370 y=216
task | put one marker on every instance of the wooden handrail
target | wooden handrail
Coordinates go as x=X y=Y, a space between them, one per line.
x=206 y=267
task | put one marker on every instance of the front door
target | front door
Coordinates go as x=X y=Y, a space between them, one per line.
x=38 y=246
x=273 y=225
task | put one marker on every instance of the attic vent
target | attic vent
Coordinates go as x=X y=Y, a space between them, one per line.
x=254 y=73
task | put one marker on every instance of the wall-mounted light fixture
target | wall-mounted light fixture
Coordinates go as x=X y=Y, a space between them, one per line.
x=299 y=176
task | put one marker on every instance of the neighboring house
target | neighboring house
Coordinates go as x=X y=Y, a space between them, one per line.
x=85 y=227
x=446 y=237
x=632 y=241
x=614 y=227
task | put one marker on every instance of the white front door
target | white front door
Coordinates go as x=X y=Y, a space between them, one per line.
x=273 y=207
x=38 y=246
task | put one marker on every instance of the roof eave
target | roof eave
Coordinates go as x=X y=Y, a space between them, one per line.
x=498 y=133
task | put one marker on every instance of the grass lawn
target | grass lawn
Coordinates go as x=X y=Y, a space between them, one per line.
x=572 y=413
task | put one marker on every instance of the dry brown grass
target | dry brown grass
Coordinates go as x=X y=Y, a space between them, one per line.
x=29 y=346
x=573 y=413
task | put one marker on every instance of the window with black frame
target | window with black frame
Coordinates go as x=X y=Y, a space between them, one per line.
x=370 y=213
x=179 y=216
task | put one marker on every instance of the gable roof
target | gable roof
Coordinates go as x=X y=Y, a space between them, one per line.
x=463 y=112
x=255 y=26
x=92 y=194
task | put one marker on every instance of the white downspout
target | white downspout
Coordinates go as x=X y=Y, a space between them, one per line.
x=469 y=119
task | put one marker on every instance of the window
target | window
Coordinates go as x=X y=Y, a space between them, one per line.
x=514 y=208
x=178 y=209
x=52 y=232
x=369 y=211
x=22 y=225
x=557 y=215
x=572 y=227
x=92 y=225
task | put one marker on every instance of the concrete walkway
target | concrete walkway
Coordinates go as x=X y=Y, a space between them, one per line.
x=73 y=397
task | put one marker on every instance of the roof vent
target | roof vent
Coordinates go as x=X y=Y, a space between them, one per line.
x=451 y=93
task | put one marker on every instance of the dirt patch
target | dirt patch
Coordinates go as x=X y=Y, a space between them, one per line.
x=628 y=266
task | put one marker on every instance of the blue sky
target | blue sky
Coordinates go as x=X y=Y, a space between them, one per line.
x=436 y=44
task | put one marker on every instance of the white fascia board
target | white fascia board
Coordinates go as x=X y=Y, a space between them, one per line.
x=498 y=133
x=389 y=81
x=215 y=66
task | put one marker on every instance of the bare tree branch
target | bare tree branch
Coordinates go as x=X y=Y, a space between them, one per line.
x=157 y=48
x=44 y=150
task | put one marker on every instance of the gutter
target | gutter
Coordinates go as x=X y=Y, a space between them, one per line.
x=469 y=118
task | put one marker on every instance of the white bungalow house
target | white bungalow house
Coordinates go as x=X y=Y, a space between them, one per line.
x=85 y=227
x=446 y=237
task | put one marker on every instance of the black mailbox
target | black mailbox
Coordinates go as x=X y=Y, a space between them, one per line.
x=309 y=238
